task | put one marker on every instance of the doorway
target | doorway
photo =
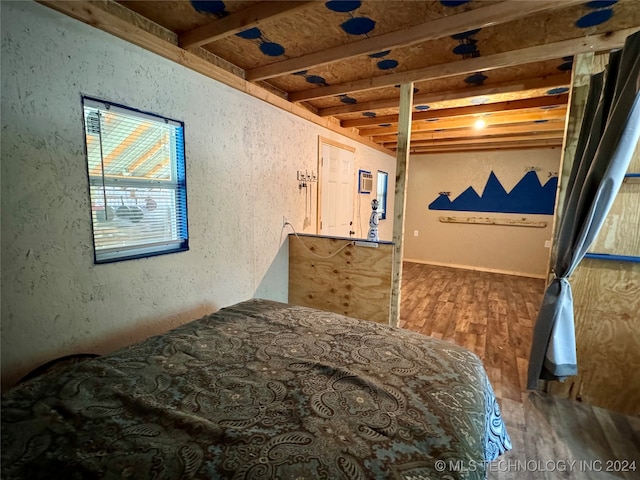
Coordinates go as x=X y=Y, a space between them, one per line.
x=336 y=163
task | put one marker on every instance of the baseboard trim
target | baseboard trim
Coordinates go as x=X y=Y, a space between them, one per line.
x=476 y=268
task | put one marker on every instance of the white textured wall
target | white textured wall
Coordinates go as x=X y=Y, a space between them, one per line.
x=503 y=249
x=242 y=155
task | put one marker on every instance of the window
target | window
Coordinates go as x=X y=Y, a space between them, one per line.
x=137 y=182
x=382 y=194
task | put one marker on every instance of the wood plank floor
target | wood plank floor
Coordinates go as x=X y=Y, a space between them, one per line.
x=492 y=315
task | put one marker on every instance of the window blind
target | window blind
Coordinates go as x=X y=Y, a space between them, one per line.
x=137 y=182
x=382 y=193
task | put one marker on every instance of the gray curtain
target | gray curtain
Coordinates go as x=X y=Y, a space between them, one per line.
x=608 y=136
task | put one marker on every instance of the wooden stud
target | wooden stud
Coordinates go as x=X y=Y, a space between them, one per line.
x=400 y=205
x=539 y=53
x=238 y=22
x=442 y=27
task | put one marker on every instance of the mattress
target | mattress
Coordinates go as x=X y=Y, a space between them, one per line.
x=260 y=390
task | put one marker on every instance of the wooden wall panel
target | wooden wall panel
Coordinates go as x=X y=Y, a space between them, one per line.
x=356 y=282
x=607 y=306
x=616 y=236
x=620 y=234
x=607 y=312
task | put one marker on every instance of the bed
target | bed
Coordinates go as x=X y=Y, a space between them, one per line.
x=260 y=390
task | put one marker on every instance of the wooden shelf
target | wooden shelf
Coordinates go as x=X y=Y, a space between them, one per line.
x=510 y=222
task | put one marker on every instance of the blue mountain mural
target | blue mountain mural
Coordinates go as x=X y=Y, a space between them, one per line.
x=528 y=196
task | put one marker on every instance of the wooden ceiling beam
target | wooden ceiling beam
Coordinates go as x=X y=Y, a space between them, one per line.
x=538 y=53
x=555 y=136
x=251 y=17
x=92 y=14
x=517 y=145
x=508 y=118
x=486 y=109
x=442 y=27
x=548 y=82
x=479 y=133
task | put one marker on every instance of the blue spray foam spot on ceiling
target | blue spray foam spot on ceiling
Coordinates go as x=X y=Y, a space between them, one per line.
x=384 y=125
x=476 y=79
x=565 y=67
x=557 y=91
x=422 y=108
x=568 y=59
x=358 y=25
x=467 y=34
x=251 y=34
x=540 y=121
x=343 y=6
x=594 y=18
x=347 y=99
x=387 y=64
x=369 y=114
x=272 y=49
x=453 y=3
x=380 y=54
x=207 y=6
x=316 y=79
x=301 y=73
x=601 y=3
x=465 y=49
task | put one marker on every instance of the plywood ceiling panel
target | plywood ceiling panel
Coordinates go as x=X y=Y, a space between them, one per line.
x=344 y=60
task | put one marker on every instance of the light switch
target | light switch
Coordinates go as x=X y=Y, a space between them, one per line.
x=416 y=233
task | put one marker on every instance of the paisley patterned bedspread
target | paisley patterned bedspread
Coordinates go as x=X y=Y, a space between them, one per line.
x=260 y=390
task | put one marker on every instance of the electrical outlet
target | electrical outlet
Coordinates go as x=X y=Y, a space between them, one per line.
x=547 y=244
x=416 y=233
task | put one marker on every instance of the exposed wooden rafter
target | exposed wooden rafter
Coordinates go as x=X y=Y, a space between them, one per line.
x=441 y=27
x=91 y=13
x=487 y=109
x=345 y=78
x=528 y=128
x=468 y=121
x=524 y=85
x=237 y=22
x=522 y=144
x=538 y=53
x=552 y=137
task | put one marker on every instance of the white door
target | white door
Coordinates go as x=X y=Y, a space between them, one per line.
x=337 y=191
